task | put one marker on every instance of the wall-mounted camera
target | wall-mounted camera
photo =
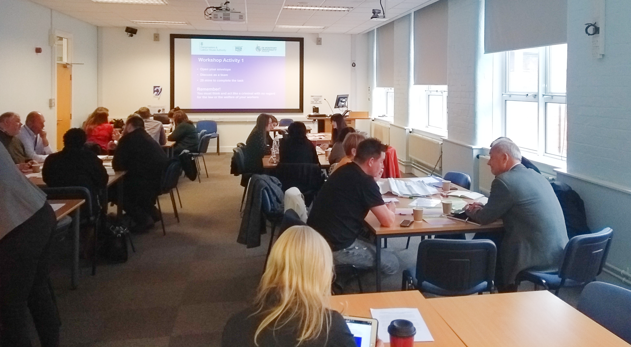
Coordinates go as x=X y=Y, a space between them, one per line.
x=131 y=31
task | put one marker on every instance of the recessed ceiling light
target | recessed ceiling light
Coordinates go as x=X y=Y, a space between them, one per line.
x=317 y=8
x=300 y=27
x=166 y=22
x=134 y=2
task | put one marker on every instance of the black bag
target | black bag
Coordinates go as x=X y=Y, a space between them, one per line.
x=115 y=241
x=573 y=209
x=188 y=165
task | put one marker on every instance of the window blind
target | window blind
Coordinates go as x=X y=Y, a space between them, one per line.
x=385 y=56
x=519 y=24
x=430 y=44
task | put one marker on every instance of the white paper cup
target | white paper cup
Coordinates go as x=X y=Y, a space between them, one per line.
x=418 y=214
x=447 y=207
x=36 y=168
x=446 y=185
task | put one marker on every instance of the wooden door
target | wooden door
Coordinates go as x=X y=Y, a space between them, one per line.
x=64 y=101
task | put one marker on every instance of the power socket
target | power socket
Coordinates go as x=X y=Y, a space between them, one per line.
x=51 y=102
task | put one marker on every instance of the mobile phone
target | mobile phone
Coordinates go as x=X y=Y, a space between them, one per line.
x=406 y=223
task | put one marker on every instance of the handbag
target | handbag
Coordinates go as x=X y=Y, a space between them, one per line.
x=115 y=237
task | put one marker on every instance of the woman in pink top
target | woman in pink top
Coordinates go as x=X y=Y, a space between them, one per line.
x=98 y=129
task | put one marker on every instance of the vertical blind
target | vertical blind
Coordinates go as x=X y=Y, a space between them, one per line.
x=519 y=24
x=430 y=44
x=385 y=56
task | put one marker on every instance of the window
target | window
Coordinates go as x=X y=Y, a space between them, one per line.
x=428 y=108
x=383 y=103
x=533 y=100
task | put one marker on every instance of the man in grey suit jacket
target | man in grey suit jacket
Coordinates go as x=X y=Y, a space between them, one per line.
x=535 y=233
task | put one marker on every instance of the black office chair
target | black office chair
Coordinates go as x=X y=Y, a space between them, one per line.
x=609 y=306
x=583 y=260
x=239 y=160
x=170 y=179
x=459 y=178
x=452 y=267
x=90 y=216
x=306 y=177
x=274 y=218
x=201 y=150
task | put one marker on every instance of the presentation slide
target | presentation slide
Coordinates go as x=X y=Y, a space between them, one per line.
x=219 y=74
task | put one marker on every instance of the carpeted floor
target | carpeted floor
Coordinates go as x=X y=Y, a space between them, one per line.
x=179 y=289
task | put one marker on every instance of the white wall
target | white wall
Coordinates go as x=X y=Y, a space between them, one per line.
x=130 y=67
x=28 y=80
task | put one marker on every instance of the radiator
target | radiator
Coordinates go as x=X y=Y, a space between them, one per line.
x=424 y=151
x=381 y=131
x=485 y=177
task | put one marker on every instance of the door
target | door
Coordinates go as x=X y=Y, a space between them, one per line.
x=64 y=101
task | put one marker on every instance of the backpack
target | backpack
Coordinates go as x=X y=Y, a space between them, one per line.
x=115 y=235
x=188 y=165
x=573 y=209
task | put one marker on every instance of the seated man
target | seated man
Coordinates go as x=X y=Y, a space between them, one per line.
x=535 y=233
x=9 y=129
x=33 y=137
x=153 y=127
x=342 y=204
x=75 y=165
x=144 y=160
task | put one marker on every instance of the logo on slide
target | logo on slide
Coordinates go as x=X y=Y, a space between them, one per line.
x=157 y=90
x=238 y=48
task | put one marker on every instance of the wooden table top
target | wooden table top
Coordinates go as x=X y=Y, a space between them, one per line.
x=318 y=138
x=359 y=305
x=169 y=144
x=434 y=226
x=69 y=206
x=525 y=319
x=38 y=181
x=324 y=162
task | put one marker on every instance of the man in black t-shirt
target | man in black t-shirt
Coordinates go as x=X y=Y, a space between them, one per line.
x=342 y=204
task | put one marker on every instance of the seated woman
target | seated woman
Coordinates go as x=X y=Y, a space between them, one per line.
x=290 y=308
x=269 y=140
x=350 y=148
x=296 y=148
x=256 y=146
x=99 y=131
x=184 y=134
x=337 y=124
x=337 y=152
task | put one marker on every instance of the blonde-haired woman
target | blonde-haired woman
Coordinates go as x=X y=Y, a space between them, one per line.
x=290 y=308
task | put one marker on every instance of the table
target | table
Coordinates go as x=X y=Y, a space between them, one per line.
x=359 y=305
x=324 y=162
x=319 y=138
x=446 y=226
x=536 y=318
x=168 y=148
x=72 y=206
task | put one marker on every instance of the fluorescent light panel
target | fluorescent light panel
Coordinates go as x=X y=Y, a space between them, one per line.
x=317 y=8
x=165 y=22
x=134 y=2
x=300 y=27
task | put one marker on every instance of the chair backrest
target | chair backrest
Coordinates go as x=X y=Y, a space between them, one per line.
x=203 y=143
x=209 y=125
x=459 y=178
x=609 y=306
x=456 y=265
x=201 y=133
x=74 y=192
x=585 y=256
x=171 y=176
x=240 y=159
x=285 y=122
x=305 y=176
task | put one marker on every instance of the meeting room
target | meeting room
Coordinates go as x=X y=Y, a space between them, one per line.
x=350 y=173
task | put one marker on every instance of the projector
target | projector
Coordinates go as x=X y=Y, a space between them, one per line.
x=223 y=13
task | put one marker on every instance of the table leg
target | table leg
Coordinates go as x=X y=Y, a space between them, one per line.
x=119 y=206
x=75 y=250
x=378 y=262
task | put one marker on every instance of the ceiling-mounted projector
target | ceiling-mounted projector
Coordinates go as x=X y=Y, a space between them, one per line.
x=223 y=13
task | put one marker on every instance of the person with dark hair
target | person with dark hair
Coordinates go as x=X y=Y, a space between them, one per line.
x=337 y=152
x=184 y=134
x=27 y=223
x=144 y=160
x=337 y=123
x=152 y=127
x=343 y=202
x=75 y=165
x=296 y=147
x=256 y=146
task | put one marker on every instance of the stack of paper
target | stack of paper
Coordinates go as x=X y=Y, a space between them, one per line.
x=466 y=194
x=410 y=188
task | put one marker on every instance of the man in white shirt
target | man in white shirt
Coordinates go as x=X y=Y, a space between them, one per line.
x=33 y=137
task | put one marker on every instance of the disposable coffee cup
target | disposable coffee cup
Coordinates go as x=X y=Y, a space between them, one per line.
x=418 y=214
x=401 y=333
x=446 y=185
x=36 y=168
x=447 y=207
x=327 y=153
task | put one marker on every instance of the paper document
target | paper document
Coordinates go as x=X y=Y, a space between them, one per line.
x=56 y=206
x=466 y=194
x=110 y=171
x=387 y=200
x=386 y=315
x=426 y=203
x=410 y=187
x=37 y=175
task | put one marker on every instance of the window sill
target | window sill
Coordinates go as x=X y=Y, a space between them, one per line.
x=384 y=119
x=430 y=132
